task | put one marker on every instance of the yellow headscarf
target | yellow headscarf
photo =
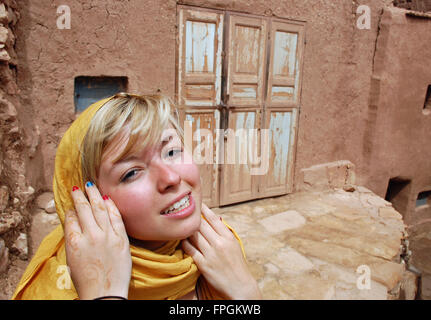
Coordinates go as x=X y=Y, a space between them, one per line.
x=165 y=273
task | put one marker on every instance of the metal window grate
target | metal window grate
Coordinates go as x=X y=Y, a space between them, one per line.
x=91 y=89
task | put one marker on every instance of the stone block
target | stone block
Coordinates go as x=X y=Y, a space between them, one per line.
x=349 y=188
x=9 y=112
x=327 y=175
x=4 y=256
x=389 y=212
x=4 y=33
x=290 y=261
x=387 y=273
x=336 y=231
x=4 y=198
x=43 y=200
x=425 y=286
x=13 y=16
x=409 y=286
x=50 y=207
x=283 y=221
x=21 y=246
x=309 y=286
x=272 y=290
x=346 y=283
x=375 y=201
x=362 y=189
x=9 y=220
x=4 y=19
x=313 y=178
x=4 y=55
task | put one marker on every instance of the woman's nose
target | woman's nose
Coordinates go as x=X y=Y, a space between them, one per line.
x=166 y=176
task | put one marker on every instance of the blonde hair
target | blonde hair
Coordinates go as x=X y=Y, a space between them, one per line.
x=146 y=115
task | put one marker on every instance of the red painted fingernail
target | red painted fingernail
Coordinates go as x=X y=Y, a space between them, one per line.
x=221 y=219
x=105 y=197
x=75 y=188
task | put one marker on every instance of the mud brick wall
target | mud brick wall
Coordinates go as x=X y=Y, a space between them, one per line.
x=18 y=145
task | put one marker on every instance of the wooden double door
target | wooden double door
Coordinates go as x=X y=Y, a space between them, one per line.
x=238 y=90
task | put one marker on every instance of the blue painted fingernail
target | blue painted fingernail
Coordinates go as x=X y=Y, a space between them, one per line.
x=89 y=184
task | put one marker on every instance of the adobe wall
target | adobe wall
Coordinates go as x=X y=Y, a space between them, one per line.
x=137 y=39
x=398 y=126
x=19 y=151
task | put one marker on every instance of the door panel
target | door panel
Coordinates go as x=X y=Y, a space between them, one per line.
x=199 y=63
x=237 y=184
x=281 y=126
x=285 y=64
x=201 y=139
x=282 y=105
x=246 y=65
x=246 y=60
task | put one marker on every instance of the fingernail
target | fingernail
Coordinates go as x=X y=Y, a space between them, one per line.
x=89 y=184
x=221 y=219
x=105 y=197
x=74 y=188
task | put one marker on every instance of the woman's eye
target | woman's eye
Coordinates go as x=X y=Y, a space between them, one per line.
x=173 y=152
x=129 y=175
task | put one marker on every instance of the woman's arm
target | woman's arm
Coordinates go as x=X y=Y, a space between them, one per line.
x=219 y=257
x=97 y=246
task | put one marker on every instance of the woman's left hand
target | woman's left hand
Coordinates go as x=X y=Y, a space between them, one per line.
x=219 y=257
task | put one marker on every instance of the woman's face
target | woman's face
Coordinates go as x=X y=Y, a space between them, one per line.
x=148 y=183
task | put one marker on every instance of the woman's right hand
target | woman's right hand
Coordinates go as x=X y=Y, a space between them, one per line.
x=97 y=246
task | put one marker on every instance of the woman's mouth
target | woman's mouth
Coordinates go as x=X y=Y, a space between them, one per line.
x=180 y=209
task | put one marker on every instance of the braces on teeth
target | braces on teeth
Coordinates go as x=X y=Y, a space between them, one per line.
x=183 y=203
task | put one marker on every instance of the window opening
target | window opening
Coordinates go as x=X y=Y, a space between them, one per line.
x=91 y=89
x=398 y=193
x=427 y=104
x=423 y=199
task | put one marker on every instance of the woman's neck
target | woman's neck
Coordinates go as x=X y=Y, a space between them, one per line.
x=149 y=245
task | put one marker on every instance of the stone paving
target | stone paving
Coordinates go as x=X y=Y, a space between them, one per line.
x=305 y=245
x=323 y=244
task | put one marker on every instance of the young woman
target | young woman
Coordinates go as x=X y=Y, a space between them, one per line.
x=129 y=198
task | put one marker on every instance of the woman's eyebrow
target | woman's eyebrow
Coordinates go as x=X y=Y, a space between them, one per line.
x=121 y=161
x=129 y=158
x=166 y=140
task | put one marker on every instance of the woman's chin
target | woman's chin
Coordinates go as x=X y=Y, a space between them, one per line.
x=176 y=231
x=190 y=229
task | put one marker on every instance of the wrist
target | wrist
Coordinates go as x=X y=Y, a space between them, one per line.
x=115 y=294
x=248 y=292
x=111 y=298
